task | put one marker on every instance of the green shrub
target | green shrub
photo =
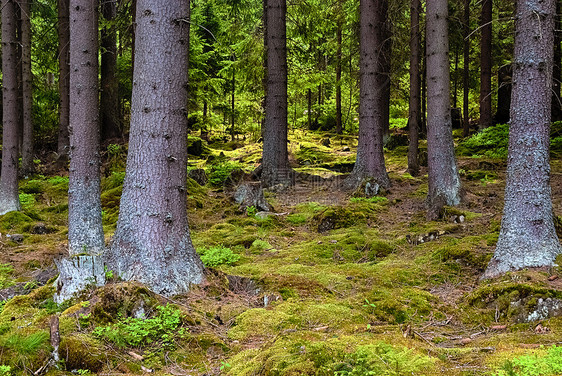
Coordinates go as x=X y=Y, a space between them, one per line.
x=534 y=365
x=217 y=255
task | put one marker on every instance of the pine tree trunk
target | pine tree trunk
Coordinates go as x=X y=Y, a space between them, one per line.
x=152 y=243
x=27 y=101
x=486 y=65
x=109 y=98
x=527 y=235
x=275 y=161
x=444 y=185
x=339 y=128
x=9 y=198
x=557 y=71
x=85 y=233
x=370 y=156
x=414 y=104
x=64 y=77
x=466 y=67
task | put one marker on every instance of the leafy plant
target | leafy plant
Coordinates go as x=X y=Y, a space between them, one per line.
x=251 y=211
x=217 y=255
x=534 y=365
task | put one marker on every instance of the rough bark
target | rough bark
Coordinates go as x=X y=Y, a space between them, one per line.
x=486 y=65
x=9 y=198
x=557 y=71
x=85 y=232
x=339 y=128
x=414 y=102
x=152 y=243
x=109 y=97
x=275 y=161
x=77 y=274
x=466 y=68
x=27 y=120
x=64 y=77
x=369 y=162
x=527 y=234
x=444 y=185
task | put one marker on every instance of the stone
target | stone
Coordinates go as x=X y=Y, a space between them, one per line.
x=251 y=194
x=16 y=238
x=199 y=175
x=40 y=229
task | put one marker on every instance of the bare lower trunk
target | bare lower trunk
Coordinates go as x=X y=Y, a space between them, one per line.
x=85 y=233
x=64 y=77
x=339 y=128
x=275 y=161
x=527 y=235
x=152 y=243
x=466 y=67
x=486 y=66
x=27 y=151
x=414 y=105
x=369 y=162
x=9 y=198
x=444 y=186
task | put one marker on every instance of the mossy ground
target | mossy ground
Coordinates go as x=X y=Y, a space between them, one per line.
x=334 y=283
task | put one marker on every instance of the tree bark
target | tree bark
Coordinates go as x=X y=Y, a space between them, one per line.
x=369 y=163
x=85 y=232
x=275 y=161
x=414 y=104
x=466 y=67
x=557 y=71
x=109 y=97
x=152 y=243
x=527 y=234
x=27 y=99
x=64 y=77
x=9 y=198
x=339 y=128
x=444 y=185
x=486 y=65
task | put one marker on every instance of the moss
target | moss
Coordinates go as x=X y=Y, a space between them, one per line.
x=259 y=322
x=337 y=217
x=397 y=306
x=15 y=221
x=81 y=351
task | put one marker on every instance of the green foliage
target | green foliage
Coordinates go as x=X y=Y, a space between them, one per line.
x=219 y=173
x=6 y=271
x=25 y=345
x=5 y=370
x=375 y=199
x=383 y=360
x=491 y=142
x=217 y=255
x=162 y=329
x=27 y=199
x=534 y=365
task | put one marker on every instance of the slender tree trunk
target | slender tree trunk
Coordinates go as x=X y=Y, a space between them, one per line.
x=414 y=105
x=527 y=234
x=275 y=161
x=339 y=128
x=85 y=232
x=27 y=100
x=444 y=185
x=557 y=71
x=385 y=69
x=109 y=98
x=64 y=78
x=232 y=104
x=423 y=127
x=466 y=67
x=369 y=163
x=486 y=65
x=309 y=97
x=9 y=198
x=152 y=243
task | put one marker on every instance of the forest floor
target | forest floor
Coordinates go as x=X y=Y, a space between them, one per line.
x=331 y=283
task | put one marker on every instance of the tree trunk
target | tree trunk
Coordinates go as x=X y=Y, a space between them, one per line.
x=527 y=235
x=64 y=77
x=466 y=67
x=385 y=68
x=9 y=198
x=27 y=100
x=109 y=98
x=423 y=127
x=557 y=72
x=414 y=105
x=369 y=163
x=275 y=161
x=152 y=243
x=85 y=232
x=444 y=185
x=339 y=128
x=486 y=65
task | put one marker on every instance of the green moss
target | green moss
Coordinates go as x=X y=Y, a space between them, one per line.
x=15 y=221
x=81 y=351
x=337 y=217
x=259 y=322
x=397 y=306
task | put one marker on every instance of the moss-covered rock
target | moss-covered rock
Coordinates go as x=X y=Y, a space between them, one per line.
x=81 y=351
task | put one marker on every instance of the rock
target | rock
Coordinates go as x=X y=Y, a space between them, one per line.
x=16 y=238
x=195 y=147
x=41 y=229
x=371 y=189
x=325 y=141
x=549 y=307
x=251 y=194
x=76 y=274
x=346 y=149
x=42 y=276
x=395 y=140
x=199 y=175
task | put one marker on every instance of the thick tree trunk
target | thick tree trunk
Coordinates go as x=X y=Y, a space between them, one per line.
x=527 y=235
x=557 y=71
x=275 y=161
x=486 y=65
x=9 y=198
x=64 y=77
x=27 y=101
x=444 y=185
x=109 y=98
x=466 y=68
x=85 y=232
x=369 y=162
x=152 y=243
x=339 y=128
x=385 y=68
x=414 y=104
